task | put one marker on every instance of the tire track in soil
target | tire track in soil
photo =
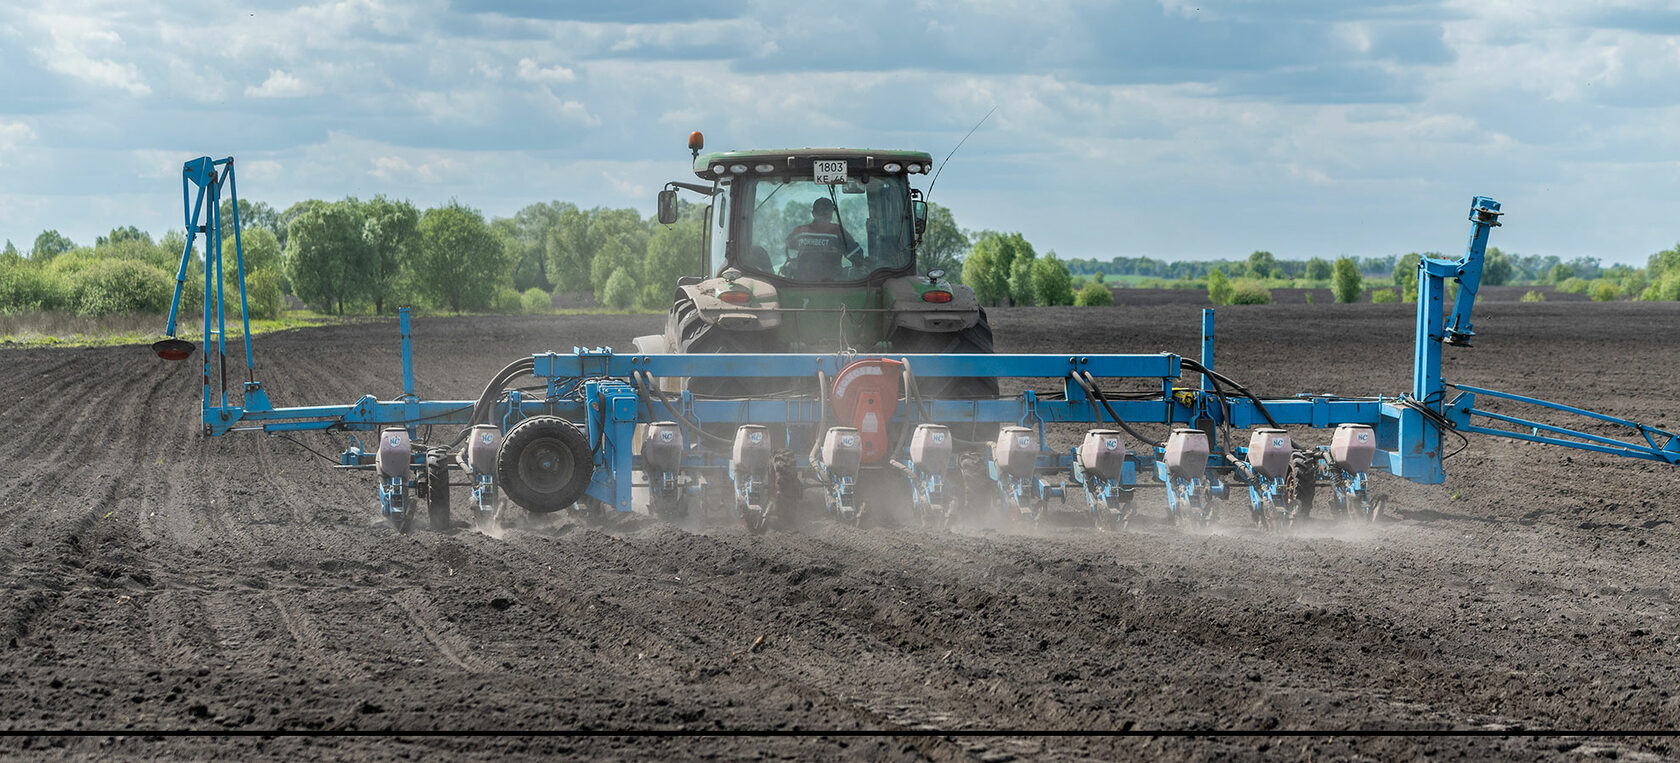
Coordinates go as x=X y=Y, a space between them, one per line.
x=674 y=630
x=28 y=375
x=440 y=636
x=72 y=549
x=313 y=647
x=673 y=636
x=178 y=630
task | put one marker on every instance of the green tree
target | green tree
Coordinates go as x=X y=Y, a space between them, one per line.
x=614 y=258
x=1345 y=281
x=1094 y=293
x=292 y=213
x=1318 y=269
x=619 y=292
x=1219 y=287
x=1559 y=273
x=1052 y=284
x=1496 y=267
x=943 y=244
x=261 y=251
x=124 y=234
x=672 y=252
x=1384 y=296
x=531 y=228
x=262 y=291
x=391 y=233
x=254 y=215
x=50 y=244
x=1663 y=263
x=461 y=263
x=1021 y=279
x=327 y=260
x=1605 y=290
x=988 y=267
x=567 y=249
x=1262 y=265
x=1406 y=276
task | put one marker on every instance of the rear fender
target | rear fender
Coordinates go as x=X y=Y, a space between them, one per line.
x=911 y=311
x=761 y=313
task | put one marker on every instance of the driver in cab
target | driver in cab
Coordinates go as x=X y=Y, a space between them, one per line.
x=815 y=248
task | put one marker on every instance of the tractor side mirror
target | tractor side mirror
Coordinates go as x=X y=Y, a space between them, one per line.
x=668 y=206
x=918 y=210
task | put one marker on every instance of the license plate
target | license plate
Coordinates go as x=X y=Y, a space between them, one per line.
x=829 y=171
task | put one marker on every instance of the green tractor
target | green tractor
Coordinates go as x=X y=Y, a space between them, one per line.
x=814 y=250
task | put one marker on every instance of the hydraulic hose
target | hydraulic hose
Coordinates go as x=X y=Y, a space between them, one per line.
x=1089 y=383
x=822 y=416
x=647 y=379
x=1217 y=377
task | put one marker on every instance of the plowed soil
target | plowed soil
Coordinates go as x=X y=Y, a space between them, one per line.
x=153 y=578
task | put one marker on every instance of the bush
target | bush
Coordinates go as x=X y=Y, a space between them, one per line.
x=1533 y=296
x=536 y=301
x=1219 y=287
x=105 y=287
x=1250 y=293
x=1094 y=294
x=1348 y=282
x=620 y=291
x=1604 y=290
x=1573 y=285
x=1384 y=296
x=506 y=301
x=27 y=288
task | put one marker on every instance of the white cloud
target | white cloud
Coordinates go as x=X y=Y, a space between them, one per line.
x=281 y=84
x=74 y=47
x=577 y=113
x=13 y=135
x=531 y=71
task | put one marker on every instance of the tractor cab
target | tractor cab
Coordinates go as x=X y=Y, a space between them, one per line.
x=814 y=250
x=810 y=216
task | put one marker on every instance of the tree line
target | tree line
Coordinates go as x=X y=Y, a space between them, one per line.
x=1265 y=265
x=367 y=256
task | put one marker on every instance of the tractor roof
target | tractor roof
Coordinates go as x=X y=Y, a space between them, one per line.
x=798 y=160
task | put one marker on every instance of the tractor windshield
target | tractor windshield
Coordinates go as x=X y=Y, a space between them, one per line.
x=813 y=232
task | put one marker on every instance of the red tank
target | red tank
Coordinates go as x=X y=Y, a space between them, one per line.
x=865 y=397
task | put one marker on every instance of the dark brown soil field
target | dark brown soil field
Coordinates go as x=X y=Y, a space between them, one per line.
x=156 y=579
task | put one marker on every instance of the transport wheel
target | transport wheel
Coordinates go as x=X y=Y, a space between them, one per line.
x=437 y=491
x=544 y=464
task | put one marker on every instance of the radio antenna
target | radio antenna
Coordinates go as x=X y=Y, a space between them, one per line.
x=960 y=143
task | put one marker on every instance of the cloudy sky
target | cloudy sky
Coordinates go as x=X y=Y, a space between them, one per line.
x=1174 y=129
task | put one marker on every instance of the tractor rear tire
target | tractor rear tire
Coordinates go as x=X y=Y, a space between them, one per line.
x=686 y=333
x=544 y=464
x=974 y=340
